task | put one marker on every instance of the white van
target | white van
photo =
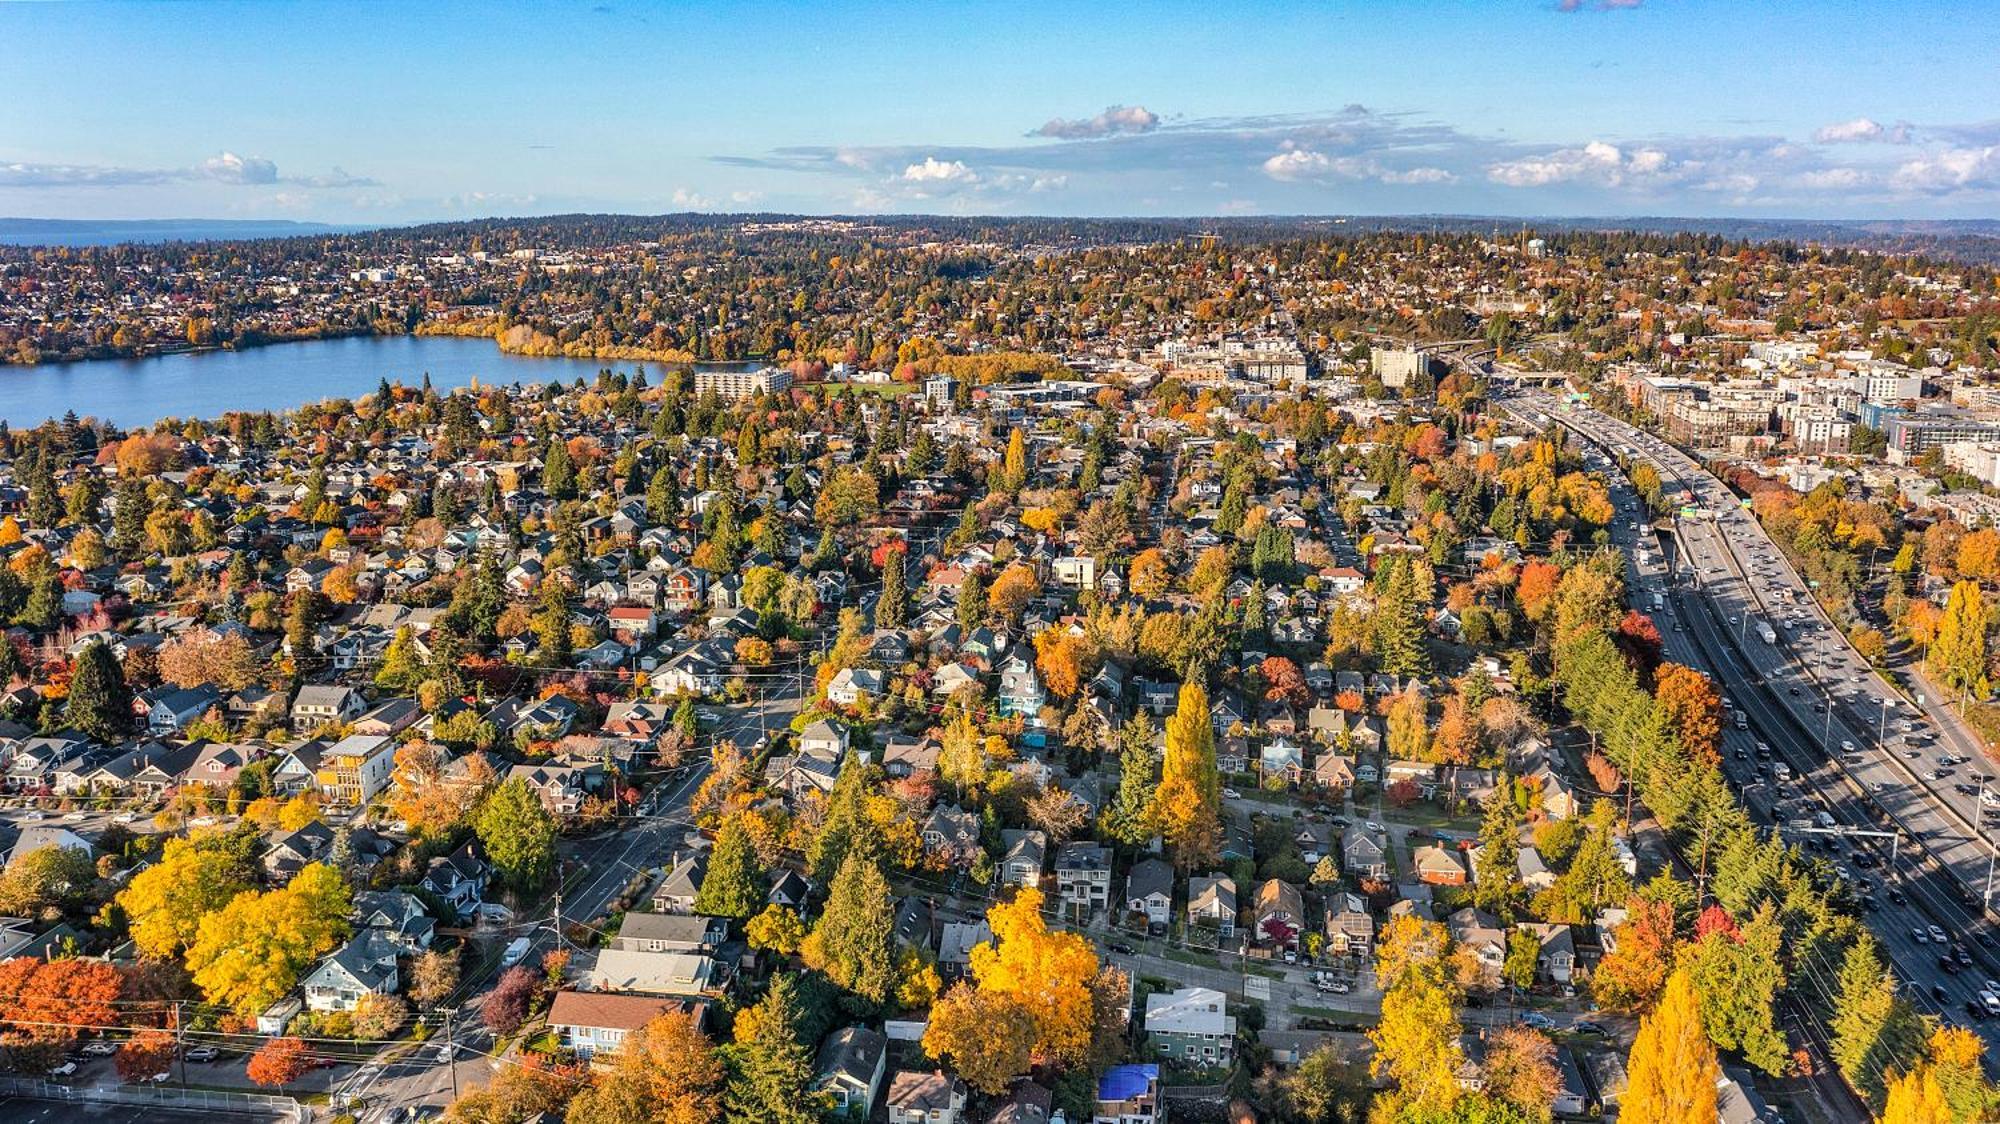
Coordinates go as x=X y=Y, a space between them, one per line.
x=517 y=950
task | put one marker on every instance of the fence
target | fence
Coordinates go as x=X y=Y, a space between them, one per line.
x=260 y=1105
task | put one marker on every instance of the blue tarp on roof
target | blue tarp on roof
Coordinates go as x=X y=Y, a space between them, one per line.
x=1123 y=1082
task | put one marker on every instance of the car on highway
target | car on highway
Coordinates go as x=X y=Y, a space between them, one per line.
x=1936 y=934
x=33 y=817
x=1920 y=936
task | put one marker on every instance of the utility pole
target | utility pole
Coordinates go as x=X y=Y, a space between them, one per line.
x=559 y=928
x=180 y=1034
x=451 y=1048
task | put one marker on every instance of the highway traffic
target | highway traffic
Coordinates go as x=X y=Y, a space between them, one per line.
x=1801 y=753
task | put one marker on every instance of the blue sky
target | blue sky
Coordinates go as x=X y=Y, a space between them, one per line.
x=395 y=112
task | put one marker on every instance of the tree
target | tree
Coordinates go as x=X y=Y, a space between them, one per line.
x=1520 y=1069
x=47 y=1000
x=1060 y=658
x=518 y=834
x=1692 y=709
x=401 y=668
x=1671 y=1070
x=1958 y=655
x=1327 y=1086
x=666 y=1073
x=1631 y=976
x=100 y=704
x=507 y=1006
x=892 y=609
x=1498 y=886
x=1397 y=620
x=1129 y=820
x=1409 y=734
x=1014 y=463
x=852 y=943
x=1284 y=682
x=1417 y=1039
x=733 y=885
x=987 y=1037
x=1049 y=974
x=431 y=801
x=206 y=656
x=165 y=903
x=771 y=1081
x=962 y=754
x=1523 y=950
x=1187 y=806
x=44 y=878
x=777 y=929
x=278 y=1062
x=1917 y=1098
x=1866 y=1014
x=1957 y=1063
x=1012 y=591
x=1738 y=976
x=1056 y=812
x=145 y=1055
x=1150 y=576
x=252 y=951
x=433 y=977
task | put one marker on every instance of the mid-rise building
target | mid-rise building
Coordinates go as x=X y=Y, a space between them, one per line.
x=743 y=384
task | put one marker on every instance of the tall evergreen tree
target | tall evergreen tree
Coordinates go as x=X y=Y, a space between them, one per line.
x=558 y=470
x=1129 y=819
x=852 y=941
x=1498 y=888
x=100 y=703
x=1871 y=1027
x=771 y=1071
x=734 y=883
x=893 y=609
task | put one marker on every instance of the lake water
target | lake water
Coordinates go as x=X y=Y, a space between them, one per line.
x=132 y=392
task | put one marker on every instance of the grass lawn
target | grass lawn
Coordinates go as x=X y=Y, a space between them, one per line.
x=879 y=389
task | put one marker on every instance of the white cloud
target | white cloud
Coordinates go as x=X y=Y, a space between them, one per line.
x=1296 y=164
x=1950 y=169
x=935 y=171
x=1833 y=179
x=228 y=167
x=1849 y=132
x=1598 y=162
x=690 y=200
x=1113 y=121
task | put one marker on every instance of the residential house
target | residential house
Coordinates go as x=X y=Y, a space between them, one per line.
x=593 y=1023
x=925 y=1098
x=1021 y=694
x=403 y=920
x=654 y=973
x=365 y=965
x=459 y=879
x=1364 y=853
x=1350 y=928
x=951 y=833
x=1212 y=903
x=1026 y=850
x=355 y=769
x=850 y=685
x=317 y=706
x=1083 y=875
x=1280 y=914
x=1129 y=1094
x=1192 y=1026
x=1556 y=959
x=848 y=1071
x=560 y=787
x=678 y=890
x=1149 y=892
x=671 y=932
x=1439 y=865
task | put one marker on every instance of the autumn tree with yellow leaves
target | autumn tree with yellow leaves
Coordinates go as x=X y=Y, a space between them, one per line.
x=1672 y=1068
x=1188 y=803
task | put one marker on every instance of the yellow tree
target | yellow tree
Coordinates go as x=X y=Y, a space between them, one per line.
x=1188 y=803
x=1048 y=974
x=1150 y=576
x=252 y=951
x=986 y=1036
x=1672 y=1068
x=1917 y=1098
x=667 y=1073
x=1416 y=1041
x=165 y=902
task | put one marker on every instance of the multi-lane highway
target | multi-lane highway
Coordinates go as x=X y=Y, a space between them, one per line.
x=1799 y=764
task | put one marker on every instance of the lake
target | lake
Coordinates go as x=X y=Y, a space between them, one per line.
x=282 y=376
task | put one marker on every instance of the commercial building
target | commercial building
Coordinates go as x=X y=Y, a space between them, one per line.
x=743 y=384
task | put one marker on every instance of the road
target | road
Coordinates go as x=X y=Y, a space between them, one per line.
x=1718 y=580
